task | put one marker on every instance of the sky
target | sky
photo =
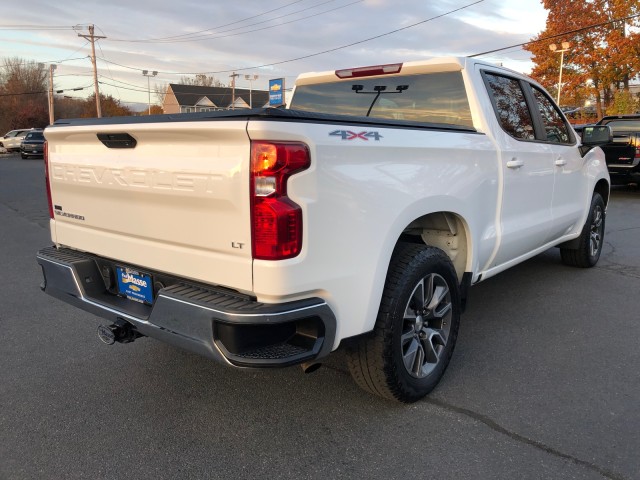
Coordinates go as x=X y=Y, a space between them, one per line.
x=276 y=39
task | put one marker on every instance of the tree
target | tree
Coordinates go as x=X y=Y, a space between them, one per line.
x=66 y=107
x=23 y=94
x=600 y=59
x=109 y=106
x=201 y=80
x=159 y=91
x=155 y=110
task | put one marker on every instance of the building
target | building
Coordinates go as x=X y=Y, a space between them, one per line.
x=195 y=98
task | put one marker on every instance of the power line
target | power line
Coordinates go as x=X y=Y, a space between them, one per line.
x=124 y=83
x=17 y=94
x=550 y=37
x=209 y=29
x=32 y=62
x=123 y=88
x=253 y=30
x=312 y=54
x=36 y=27
x=108 y=67
x=21 y=93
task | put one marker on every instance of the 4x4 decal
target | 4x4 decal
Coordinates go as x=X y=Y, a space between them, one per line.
x=349 y=135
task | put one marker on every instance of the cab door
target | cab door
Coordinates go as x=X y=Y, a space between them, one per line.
x=527 y=170
x=570 y=196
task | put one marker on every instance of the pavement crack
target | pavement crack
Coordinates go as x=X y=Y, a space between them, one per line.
x=626 y=270
x=33 y=221
x=493 y=425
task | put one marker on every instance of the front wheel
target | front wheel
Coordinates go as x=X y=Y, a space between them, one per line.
x=591 y=238
x=416 y=327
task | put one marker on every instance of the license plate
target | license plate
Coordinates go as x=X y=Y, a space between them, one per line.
x=135 y=285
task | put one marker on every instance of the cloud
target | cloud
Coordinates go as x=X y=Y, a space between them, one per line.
x=241 y=35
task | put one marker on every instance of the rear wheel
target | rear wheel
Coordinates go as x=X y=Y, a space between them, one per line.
x=416 y=328
x=591 y=238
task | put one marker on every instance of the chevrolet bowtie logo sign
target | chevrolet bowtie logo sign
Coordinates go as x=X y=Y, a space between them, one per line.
x=276 y=92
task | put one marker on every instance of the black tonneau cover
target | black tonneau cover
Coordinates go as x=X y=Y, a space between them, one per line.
x=274 y=114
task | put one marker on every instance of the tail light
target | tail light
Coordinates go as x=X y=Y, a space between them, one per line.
x=276 y=221
x=46 y=177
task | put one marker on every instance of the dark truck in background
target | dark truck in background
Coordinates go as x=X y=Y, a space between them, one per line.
x=623 y=153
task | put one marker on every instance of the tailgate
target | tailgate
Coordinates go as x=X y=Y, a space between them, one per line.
x=177 y=202
x=623 y=149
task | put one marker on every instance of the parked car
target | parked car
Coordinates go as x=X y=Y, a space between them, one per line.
x=11 y=140
x=623 y=153
x=32 y=145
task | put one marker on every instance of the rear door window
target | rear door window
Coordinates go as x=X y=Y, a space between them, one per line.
x=510 y=105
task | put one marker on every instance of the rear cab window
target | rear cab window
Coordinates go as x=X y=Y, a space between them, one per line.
x=425 y=98
x=34 y=136
x=623 y=125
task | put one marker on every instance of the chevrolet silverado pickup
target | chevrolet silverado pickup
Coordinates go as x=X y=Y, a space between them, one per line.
x=359 y=216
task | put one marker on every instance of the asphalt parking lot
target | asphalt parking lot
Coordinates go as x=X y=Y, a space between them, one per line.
x=544 y=383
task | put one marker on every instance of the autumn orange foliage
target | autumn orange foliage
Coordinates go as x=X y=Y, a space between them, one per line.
x=600 y=60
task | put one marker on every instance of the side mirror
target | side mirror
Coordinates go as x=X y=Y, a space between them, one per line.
x=596 y=135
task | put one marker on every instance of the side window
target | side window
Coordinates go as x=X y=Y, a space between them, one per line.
x=555 y=128
x=511 y=106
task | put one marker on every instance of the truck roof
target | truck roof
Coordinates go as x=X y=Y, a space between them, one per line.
x=436 y=64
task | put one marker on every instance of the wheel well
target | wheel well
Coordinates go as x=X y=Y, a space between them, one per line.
x=444 y=230
x=602 y=187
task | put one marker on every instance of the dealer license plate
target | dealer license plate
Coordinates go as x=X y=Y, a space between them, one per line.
x=135 y=285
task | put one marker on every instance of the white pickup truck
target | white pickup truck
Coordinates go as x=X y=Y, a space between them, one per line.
x=357 y=217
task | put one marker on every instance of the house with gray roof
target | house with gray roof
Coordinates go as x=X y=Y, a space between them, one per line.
x=195 y=98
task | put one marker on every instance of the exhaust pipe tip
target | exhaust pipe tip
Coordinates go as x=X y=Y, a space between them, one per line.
x=310 y=367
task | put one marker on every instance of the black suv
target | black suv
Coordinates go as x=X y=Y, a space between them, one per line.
x=32 y=145
x=623 y=154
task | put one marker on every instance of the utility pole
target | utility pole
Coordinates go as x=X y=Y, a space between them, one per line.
x=233 y=76
x=92 y=38
x=52 y=67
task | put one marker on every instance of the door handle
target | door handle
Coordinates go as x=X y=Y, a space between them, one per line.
x=560 y=162
x=515 y=163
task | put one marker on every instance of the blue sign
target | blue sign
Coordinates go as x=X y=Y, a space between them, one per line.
x=276 y=92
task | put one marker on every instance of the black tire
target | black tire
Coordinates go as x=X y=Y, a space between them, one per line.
x=24 y=156
x=591 y=238
x=409 y=325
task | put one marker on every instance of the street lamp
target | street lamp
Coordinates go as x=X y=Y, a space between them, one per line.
x=251 y=78
x=148 y=74
x=554 y=48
